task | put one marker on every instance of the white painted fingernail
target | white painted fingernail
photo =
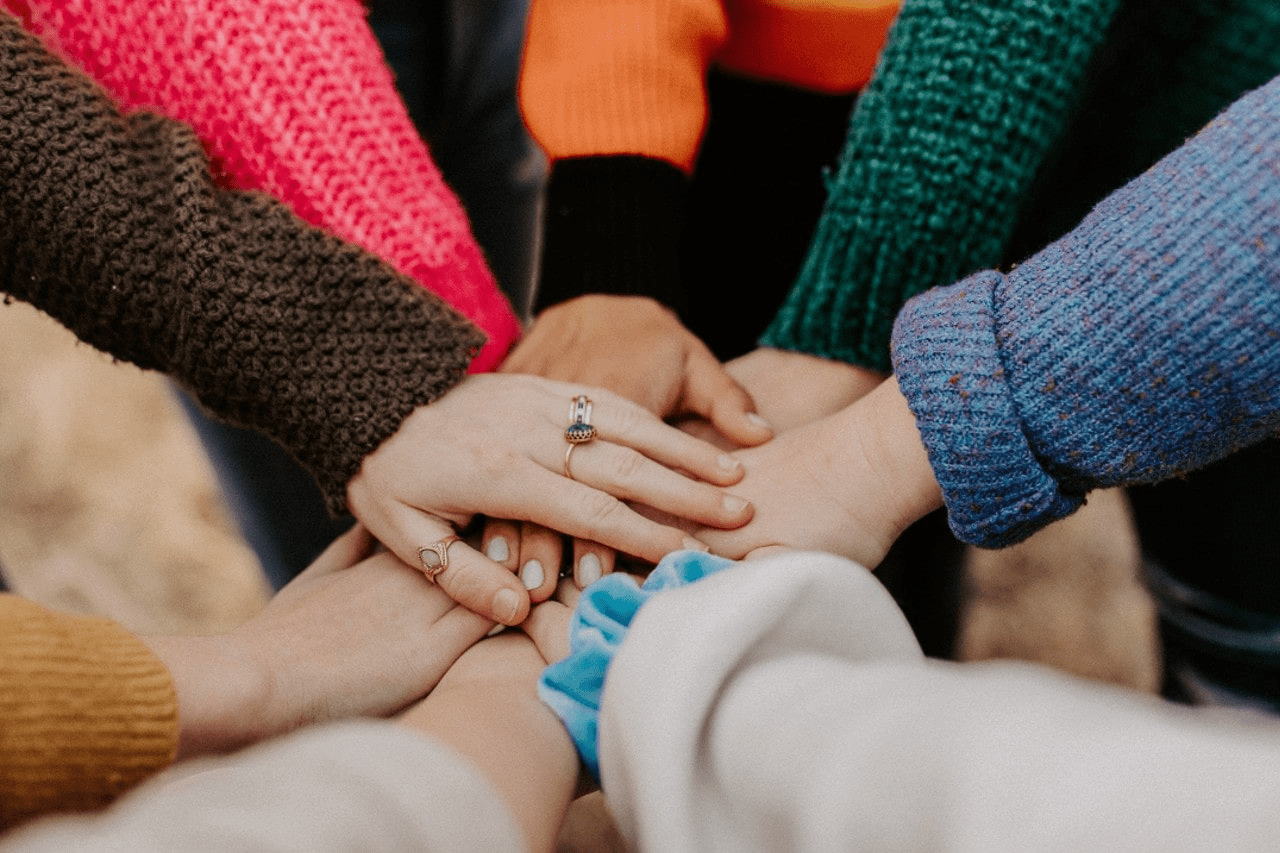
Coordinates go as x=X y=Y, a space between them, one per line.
x=758 y=421
x=694 y=545
x=498 y=551
x=728 y=463
x=733 y=504
x=532 y=575
x=505 y=605
x=589 y=570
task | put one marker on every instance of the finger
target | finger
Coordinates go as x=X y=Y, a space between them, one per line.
x=471 y=579
x=501 y=542
x=711 y=392
x=622 y=422
x=541 y=551
x=629 y=475
x=587 y=513
x=568 y=593
x=343 y=552
x=548 y=627
x=765 y=551
x=591 y=561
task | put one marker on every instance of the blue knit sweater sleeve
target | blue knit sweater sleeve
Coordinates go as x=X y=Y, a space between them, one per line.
x=1142 y=345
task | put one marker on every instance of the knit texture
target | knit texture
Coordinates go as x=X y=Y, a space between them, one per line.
x=612 y=225
x=1167 y=68
x=605 y=77
x=1137 y=348
x=86 y=712
x=291 y=97
x=967 y=100
x=115 y=228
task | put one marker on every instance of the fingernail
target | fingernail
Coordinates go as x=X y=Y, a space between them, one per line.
x=758 y=421
x=505 y=605
x=728 y=463
x=497 y=549
x=589 y=570
x=733 y=504
x=691 y=544
x=532 y=575
x=496 y=630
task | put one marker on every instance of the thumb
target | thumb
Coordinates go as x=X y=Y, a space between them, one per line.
x=711 y=393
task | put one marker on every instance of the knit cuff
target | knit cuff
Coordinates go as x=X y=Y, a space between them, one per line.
x=946 y=356
x=573 y=687
x=612 y=225
x=88 y=712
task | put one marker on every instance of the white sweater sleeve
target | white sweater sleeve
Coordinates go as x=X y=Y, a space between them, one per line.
x=361 y=786
x=785 y=706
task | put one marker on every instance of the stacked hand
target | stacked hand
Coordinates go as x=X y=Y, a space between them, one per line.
x=639 y=350
x=496 y=445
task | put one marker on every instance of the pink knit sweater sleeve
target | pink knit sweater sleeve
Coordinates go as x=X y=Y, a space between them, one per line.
x=294 y=98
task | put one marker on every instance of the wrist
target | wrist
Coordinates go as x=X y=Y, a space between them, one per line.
x=222 y=690
x=895 y=457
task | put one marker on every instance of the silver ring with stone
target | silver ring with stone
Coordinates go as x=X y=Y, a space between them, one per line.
x=580 y=430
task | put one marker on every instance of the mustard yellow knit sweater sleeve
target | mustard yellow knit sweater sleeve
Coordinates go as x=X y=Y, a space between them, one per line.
x=86 y=711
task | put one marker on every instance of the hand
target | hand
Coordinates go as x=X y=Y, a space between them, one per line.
x=494 y=445
x=487 y=710
x=352 y=635
x=792 y=389
x=635 y=347
x=849 y=483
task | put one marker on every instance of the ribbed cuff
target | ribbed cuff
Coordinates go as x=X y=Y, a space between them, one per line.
x=88 y=712
x=612 y=225
x=947 y=360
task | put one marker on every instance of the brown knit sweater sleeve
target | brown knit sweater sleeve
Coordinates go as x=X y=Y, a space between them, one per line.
x=113 y=226
x=86 y=711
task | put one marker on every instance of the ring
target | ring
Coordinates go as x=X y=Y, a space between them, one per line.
x=567 y=454
x=435 y=557
x=580 y=430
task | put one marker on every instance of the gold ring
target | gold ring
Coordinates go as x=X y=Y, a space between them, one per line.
x=435 y=557
x=568 y=473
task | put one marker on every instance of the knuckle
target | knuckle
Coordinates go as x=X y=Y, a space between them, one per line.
x=628 y=465
x=597 y=510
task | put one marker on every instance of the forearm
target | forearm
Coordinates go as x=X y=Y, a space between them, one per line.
x=615 y=94
x=293 y=99
x=273 y=324
x=1135 y=349
x=931 y=178
x=501 y=728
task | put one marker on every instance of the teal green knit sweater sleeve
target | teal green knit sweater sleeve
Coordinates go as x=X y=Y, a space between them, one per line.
x=942 y=147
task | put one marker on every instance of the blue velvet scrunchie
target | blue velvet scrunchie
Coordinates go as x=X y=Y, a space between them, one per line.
x=572 y=687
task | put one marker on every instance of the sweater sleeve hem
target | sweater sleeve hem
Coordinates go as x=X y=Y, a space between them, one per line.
x=612 y=225
x=947 y=358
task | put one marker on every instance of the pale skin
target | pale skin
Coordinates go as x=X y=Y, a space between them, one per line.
x=494 y=445
x=849 y=483
x=638 y=349
x=356 y=634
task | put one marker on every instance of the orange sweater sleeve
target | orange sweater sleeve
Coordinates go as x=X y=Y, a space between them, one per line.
x=607 y=77
x=86 y=711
